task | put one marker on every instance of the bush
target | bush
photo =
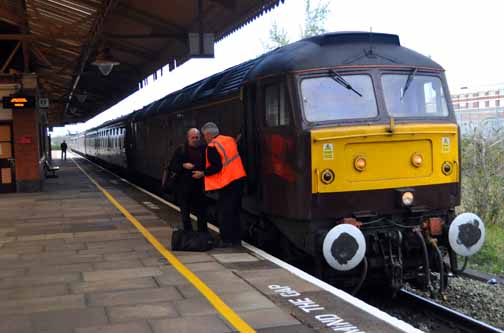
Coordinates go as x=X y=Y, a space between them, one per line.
x=483 y=193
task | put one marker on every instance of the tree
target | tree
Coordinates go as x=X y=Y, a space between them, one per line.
x=277 y=37
x=483 y=175
x=315 y=18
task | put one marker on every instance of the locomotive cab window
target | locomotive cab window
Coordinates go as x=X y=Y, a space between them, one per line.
x=275 y=110
x=410 y=95
x=329 y=98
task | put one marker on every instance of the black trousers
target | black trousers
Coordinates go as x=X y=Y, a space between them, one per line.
x=228 y=211
x=193 y=200
x=63 y=154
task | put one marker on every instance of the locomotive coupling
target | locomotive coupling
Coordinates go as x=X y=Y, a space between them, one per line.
x=344 y=247
x=466 y=234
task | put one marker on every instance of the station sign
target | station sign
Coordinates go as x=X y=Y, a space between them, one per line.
x=18 y=102
x=43 y=103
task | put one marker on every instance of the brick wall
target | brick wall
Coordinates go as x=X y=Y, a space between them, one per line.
x=26 y=145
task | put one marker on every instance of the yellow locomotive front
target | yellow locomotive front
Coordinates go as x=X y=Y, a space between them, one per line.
x=385 y=165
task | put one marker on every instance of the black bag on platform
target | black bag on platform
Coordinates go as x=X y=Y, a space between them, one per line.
x=191 y=241
x=169 y=181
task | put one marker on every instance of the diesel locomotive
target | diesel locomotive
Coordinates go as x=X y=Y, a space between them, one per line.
x=351 y=148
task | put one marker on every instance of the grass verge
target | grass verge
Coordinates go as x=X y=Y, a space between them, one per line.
x=490 y=258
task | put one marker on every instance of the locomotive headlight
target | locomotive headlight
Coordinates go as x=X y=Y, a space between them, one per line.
x=327 y=176
x=407 y=198
x=447 y=168
x=360 y=163
x=417 y=160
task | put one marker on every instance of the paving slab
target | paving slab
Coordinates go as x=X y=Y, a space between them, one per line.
x=132 y=284
x=209 y=324
x=141 y=311
x=121 y=274
x=142 y=296
x=42 y=304
x=67 y=320
x=134 y=327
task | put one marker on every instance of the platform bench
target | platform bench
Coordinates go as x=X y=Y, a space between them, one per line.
x=51 y=169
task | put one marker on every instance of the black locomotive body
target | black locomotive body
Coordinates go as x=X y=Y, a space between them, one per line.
x=350 y=144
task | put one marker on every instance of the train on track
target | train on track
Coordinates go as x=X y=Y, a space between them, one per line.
x=351 y=148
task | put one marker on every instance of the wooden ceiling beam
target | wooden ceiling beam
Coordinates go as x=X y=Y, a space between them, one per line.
x=7 y=15
x=228 y=4
x=147 y=19
x=91 y=43
x=9 y=59
x=41 y=56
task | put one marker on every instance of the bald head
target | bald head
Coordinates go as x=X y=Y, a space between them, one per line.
x=193 y=137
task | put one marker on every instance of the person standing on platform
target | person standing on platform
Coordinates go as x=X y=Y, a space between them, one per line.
x=189 y=191
x=63 y=147
x=224 y=173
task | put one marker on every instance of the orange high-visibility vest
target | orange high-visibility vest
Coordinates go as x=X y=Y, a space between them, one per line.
x=232 y=167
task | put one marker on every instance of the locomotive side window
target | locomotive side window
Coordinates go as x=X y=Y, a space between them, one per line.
x=414 y=96
x=275 y=111
x=326 y=98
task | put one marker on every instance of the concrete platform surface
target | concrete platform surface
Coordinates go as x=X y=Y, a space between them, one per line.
x=70 y=262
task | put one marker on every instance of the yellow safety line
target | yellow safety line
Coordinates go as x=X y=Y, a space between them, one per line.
x=228 y=313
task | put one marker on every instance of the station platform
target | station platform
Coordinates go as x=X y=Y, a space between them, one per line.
x=91 y=253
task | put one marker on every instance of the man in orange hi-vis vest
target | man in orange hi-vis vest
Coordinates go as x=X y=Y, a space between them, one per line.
x=224 y=173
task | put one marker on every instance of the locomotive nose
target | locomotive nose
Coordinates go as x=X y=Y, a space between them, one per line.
x=344 y=247
x=466 y=234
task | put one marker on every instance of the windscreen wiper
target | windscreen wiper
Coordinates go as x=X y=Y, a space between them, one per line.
x=408 y=82
x=339 y=79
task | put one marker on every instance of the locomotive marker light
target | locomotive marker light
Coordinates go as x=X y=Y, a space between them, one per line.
x=466 y=234
x=344 y=247
x=360 y=163
x=417 y=160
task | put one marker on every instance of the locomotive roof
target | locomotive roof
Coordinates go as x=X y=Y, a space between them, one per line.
x=340 y=49
x=327 y=50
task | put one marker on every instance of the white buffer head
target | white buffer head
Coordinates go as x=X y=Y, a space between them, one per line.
x=466 y=234
x=344 y=247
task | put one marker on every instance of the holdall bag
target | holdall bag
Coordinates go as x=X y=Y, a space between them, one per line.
x=169 y=181
x=191 y=241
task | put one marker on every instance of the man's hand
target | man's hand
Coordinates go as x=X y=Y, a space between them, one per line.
x=197 y=174
x=188 y=166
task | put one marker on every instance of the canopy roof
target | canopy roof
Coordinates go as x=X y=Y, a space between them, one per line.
x=59 y=40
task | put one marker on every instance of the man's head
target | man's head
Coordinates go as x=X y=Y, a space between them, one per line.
x=193 y=137
x=210 y=131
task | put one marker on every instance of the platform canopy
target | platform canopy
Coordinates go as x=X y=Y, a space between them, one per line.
x=59 y=40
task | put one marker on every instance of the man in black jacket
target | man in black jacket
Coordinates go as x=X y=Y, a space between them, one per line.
x=190 y=192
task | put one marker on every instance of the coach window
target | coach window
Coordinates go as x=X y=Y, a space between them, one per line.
x=275 y=109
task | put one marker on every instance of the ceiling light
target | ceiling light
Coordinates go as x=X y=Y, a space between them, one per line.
x=105 y=62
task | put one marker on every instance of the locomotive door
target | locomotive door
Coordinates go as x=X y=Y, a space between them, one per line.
x=7 y=179
x=274 y=123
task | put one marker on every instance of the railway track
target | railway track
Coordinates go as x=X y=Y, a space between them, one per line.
x=429 y=316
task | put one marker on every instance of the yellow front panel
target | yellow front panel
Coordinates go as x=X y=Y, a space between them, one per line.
x=387 y=155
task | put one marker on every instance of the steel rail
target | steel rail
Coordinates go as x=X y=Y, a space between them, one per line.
x=460 y=320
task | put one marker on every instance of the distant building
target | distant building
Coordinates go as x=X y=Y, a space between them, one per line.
x=479 y=107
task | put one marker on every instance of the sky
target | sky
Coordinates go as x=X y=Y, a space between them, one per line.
x=465 y=37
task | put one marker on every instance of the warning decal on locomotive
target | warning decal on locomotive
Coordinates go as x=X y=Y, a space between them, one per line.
x=328 y=152
x=445 y=144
